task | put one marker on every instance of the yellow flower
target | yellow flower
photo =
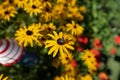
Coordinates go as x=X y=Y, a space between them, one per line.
x=46 y=3
x=9 y=2
x=87 y=55
x=56 y=62
x=58 y=10
x=42 y=40
x=5 y=78
x=33 y=7
x=57 y=78
x=66 y=58
x=20 y=3
x=74 y=28
x=66 y=78
x=61 y=1
x=46 y=14
x=86 y=77
x=59 y=43
x=72 y=10
x=74 y=13
x=69 y=70
x=82 y=9
x=7 y=12
x=91 y=66
x=89 y=60
x=50 y=27
x=78 y=16
x=71 y=2
x=28 y=35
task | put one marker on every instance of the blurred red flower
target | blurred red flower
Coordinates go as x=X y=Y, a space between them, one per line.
x=96 y=52
x=79 y=48
x=98 y=64
x=113 y=51
x=74 y=63
x=97 y=56
x=97 y=43
x=117 y=39
x=83 y=39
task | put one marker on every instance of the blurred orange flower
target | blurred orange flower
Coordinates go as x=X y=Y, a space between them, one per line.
x=103 y=76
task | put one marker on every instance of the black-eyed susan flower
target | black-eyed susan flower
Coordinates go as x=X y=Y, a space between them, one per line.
x=88 y=55
x=46 y=28
x=46 y=3
x=57 y=78
x=66 y=58
x=71 y=11
x=61 y=1
x=7 y=12
x=56 y=62
x=74 y=13
x=33 y=7
x=46 y=14
x=75 y=29
x=82 y=9
x=27 y=35
x=86 y=77
x=58 y=10
x=66 y=77
x=50 y=26
x=59 y=42
x=91 y=66
x=70 y=70
x=89 y=60
x=71 y=2
x=3 y=78
x=20 y=3
x=9 y=2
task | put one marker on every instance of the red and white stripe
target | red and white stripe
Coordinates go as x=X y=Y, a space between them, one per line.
x=10 y=52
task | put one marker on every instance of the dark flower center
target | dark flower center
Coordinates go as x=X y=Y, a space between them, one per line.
x=49 y=29
x=43 y=39
x=61 y=41
x=89 y=56
x=7 y=12
x=45 y=0
x=33 y=6
x=67 y=58
x=29 y=32
x=75 y=26
x=11 y=1
x=47 y=9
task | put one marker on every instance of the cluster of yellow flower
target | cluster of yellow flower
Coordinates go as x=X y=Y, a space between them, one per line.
x=89 y=60
x=3 y=78
x=71 y=69
x=46 y=9
x=59 y=38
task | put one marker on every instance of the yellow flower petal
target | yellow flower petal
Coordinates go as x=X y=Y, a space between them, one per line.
x=52 y=49
x=69 y=47
x=55 y=52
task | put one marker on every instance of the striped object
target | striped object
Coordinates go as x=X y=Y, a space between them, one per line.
x=10 y=52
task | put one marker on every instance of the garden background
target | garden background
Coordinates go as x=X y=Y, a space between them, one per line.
x=101 y=36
